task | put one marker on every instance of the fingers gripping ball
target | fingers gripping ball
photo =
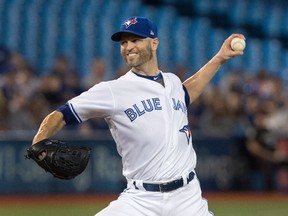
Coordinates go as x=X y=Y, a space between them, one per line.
x=58 y=158
x=238 y=44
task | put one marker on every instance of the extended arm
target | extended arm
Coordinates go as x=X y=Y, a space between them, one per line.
x=196 y=83
x=52 y=123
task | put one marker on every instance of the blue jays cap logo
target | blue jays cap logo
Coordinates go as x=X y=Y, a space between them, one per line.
x=130 y=22
x=139 y=26
x=187 y=131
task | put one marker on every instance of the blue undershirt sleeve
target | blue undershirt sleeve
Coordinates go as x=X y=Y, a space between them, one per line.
x=69 y=114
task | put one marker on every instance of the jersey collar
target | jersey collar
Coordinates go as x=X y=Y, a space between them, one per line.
x=155 y=78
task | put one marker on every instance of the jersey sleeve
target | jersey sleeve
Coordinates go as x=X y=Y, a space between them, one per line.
x=187 y=97
x=69 y=115
x=96 y=102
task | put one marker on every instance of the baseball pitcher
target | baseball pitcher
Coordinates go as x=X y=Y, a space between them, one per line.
x=146 y=110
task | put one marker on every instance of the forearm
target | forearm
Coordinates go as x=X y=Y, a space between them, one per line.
x=195 y=84
x=53 y=123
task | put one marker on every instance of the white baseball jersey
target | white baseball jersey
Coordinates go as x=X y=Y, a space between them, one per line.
x=148 y=122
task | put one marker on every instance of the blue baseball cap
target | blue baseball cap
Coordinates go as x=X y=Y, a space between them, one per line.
x=136 y=25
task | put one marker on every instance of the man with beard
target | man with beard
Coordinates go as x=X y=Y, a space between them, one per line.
x=146 y=110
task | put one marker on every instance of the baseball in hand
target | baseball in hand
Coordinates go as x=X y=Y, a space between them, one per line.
x=238 y=44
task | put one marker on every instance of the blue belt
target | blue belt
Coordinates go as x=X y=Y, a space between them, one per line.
x=168 y=186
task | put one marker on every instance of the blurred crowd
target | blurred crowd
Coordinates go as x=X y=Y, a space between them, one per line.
x=228 y=108
x=28 y=95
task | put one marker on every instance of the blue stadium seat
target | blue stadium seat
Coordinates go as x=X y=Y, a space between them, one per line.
x=13 y=28
x=238 y=12
x=272 y=21
x=166 y=24
x=50 y=32
x=257 y=10
x=202 y=7
x=198 y=33
x=31 y=28
x=81 y=29
x=272 y=55
x=284 y=22
x=254 y=59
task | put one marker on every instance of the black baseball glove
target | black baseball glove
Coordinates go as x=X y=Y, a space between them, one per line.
x=58 y=158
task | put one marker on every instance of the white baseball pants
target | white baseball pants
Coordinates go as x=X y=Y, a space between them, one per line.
x=185 y=201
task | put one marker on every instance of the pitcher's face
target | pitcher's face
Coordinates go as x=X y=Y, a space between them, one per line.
x=136 y=51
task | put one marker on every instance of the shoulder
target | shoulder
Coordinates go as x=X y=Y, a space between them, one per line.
x=129 y=76
x=106 y=84
x=171 y=76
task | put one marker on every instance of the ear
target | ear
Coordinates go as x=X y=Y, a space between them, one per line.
x=154 y=43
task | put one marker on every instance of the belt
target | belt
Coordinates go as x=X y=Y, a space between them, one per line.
x=168 y=186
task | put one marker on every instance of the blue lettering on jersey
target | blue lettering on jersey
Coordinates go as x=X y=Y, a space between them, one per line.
x=132 y=115
x=145 y=106
x=179 y=105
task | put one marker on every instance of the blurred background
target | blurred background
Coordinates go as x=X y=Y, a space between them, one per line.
x=52 y=50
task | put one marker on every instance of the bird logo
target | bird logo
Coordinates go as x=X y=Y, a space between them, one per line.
x=187 y=131
x=130 y=22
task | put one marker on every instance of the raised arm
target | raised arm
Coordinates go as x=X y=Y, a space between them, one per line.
x=53 y=123
x=196 y=83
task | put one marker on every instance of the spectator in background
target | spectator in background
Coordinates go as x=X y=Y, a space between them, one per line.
x=8 y=85
x=195 y=112
x=18 y=86
x=24 y=79
x=251 y=105
x=4 y=111
x=72 y=85
x=38 y=106
x=265 y=157
x=235 y=112
x=14 y=77
x=121 y=71
x=51 y=87
x=262 y=97
x=182 y=72
x=97 y=73
x=216 y=120
x=4 y=59
x=61 y=67
x=20 y=116
x=232 y=81
x=59 y=82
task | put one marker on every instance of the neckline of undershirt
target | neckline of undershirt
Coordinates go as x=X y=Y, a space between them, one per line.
x=154 y=78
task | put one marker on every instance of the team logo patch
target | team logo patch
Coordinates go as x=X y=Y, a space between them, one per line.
x=130 y=22
x=187 y=131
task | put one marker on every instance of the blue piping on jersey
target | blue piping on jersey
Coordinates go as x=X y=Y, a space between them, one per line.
x=157 y=77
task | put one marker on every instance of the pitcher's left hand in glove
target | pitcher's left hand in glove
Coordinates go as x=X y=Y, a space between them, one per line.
x=58 y=158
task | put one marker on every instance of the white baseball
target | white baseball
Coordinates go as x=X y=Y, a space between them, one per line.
x=238 y=44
